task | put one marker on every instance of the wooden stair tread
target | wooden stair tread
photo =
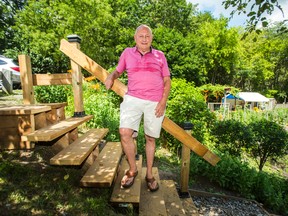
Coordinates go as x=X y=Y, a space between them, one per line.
x=172 y=201
x=56 y=130
x=80 y=149
x=121 y=196
x=189 y=206
x=23 y=109
x=151 y=203
x=102 y=172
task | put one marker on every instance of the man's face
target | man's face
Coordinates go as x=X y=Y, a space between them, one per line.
x=143 y=39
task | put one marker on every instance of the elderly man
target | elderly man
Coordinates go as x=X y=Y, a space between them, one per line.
x=148 y=89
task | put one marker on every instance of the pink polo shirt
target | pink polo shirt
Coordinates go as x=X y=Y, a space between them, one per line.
x=145 y=73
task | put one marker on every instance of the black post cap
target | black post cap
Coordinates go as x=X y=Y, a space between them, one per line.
x=187 y=125
x=74 y=38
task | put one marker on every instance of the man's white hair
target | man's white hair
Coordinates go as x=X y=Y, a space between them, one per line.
x=143 y=26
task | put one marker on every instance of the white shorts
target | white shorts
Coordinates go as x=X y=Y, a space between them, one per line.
x=131 y=111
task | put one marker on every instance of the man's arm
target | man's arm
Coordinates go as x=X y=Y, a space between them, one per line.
x=110 y=79
x=160 y=109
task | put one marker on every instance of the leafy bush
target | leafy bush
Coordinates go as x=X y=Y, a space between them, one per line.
x=52 y=93
x=269 y=140
x=103 y=105
x=231 y=136
x=233 y=174
x=186 y=104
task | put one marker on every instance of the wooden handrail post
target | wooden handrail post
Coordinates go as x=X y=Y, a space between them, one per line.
x=185 y=164
x=77 y=80
x=26 y=79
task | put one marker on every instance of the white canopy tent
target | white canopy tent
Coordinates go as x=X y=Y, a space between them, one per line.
x=252 y=97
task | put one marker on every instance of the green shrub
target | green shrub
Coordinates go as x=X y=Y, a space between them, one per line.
x=236 y=175
x=52 y=93
x=269 y=140
x=231 y=136
x=187 y=104
x=103 y=105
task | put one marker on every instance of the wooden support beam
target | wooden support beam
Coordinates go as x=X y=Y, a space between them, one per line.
x=119 y=88
x=52 y=79
x=77 y=78
x=26 y=79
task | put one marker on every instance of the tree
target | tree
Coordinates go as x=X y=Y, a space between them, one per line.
x=216 y=48
x=269 y=140
x=42 y=24
x=8 y=10
x=256 y=13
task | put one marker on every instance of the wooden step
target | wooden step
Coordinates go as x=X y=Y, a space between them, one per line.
x=172 y=200
x=151 y=203
x=80 y=149
x=189 y=206
x=54 y=131
x=122 y=197
x=102 y=172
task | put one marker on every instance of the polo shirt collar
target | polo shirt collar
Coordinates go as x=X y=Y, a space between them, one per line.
x=135 y=50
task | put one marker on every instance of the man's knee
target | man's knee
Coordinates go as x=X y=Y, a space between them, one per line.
x=125 y=132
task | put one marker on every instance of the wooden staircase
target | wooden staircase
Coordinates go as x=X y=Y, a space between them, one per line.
x=106 y=167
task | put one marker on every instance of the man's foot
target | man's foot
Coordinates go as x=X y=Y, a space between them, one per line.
x=128 y=179
x=152 y=184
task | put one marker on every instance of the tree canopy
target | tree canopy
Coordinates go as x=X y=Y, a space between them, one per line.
x=199 y=48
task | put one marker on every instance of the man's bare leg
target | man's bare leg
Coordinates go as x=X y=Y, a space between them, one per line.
x=129 y=150
x=150 y=152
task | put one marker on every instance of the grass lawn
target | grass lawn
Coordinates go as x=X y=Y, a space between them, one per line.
x=30 y=186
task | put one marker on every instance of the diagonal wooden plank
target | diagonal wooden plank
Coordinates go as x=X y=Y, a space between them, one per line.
x=119 y=88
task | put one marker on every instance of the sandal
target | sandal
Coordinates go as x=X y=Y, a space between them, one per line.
x=150 y=183
x=128 y=179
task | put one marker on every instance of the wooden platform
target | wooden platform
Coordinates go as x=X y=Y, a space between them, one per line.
x=120 y=196
x=19 y=120
x=79 y=150
x=23 y=109
x=103 y=171
x=56 y=130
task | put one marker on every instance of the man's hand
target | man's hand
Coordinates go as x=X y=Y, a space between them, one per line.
x=109 y=83
x=110 y=79
x=160 y=109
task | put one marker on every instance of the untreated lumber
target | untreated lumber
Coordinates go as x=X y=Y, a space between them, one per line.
x=121 y=196
x=102 y=172
x=52 y=79
x=79 y=150
x=56 y=130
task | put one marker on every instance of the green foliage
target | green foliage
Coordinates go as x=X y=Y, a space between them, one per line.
x=103 y=105
x=233 y=174
x=261 y=138
x=257 y=12
x=270 y=140
x=52 y=93
x=186 y=104
x=232 y=136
